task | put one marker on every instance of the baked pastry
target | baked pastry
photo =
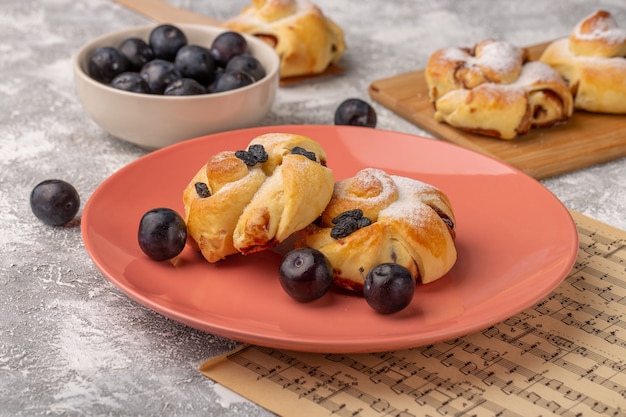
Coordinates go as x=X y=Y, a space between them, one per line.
x=389 y=219
x=593 y=61
x=493 y=90
x=306 y=41
x=249 y=200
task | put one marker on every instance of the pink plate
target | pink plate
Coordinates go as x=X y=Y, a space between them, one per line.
x=516 y=242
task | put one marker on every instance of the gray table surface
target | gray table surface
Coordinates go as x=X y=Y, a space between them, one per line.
x=70 y=342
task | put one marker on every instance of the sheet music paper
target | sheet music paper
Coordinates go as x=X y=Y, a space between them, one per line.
x=565 y=356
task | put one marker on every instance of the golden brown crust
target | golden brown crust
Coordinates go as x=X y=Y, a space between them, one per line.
x=304 y=38
x=408 y=228
x=598 y=35
x=253 y=208
x=492 y=89
x=593 y=61
x=371 y=192
x=451 y=69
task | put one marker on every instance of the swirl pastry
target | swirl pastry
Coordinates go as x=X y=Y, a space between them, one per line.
x=493 y=90
x=593 y=61
x=304 y=38
x=250 y=200
x=396 y=219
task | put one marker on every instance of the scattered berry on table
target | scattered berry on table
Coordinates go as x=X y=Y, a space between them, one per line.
x=355 y=112
x=54 y=202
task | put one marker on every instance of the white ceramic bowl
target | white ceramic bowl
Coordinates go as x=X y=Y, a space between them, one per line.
x=154 y=121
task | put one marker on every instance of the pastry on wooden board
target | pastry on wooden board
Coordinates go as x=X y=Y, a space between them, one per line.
x=305 y=39
x=593 y=61
x=492 y=89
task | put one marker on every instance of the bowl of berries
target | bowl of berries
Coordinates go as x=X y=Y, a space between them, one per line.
x=157 y=85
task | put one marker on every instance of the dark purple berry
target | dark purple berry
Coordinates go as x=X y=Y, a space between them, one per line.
x=227 y=45
x=184 y=87
x=232 y=80
x=194 y=61
x=158 y=73
x=132 y=82
x=389 y=288
x=54 y=202
x=165 y=40
x=105 y=63
x=355 y=112
x=305 y=274
x=216 y=76
x=137 y=52
x=162 y=234
x=248 y=64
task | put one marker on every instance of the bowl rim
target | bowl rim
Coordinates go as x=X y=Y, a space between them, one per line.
x=80 y=55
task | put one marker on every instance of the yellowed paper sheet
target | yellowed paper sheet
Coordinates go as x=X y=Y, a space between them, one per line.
x=565 y=356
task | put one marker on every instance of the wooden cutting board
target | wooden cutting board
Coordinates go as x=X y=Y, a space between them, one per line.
x=586 y=139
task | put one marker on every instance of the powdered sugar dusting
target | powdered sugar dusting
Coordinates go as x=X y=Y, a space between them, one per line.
x=501 y=57
x=415 y=215
x=456 y=54
x=279 y=144
x=536 y=71
x=497 y=57
x=410 y=187
x=399 y=197
x=269 y=139
x=373 y=180
x=410 y=206
x=600 y=26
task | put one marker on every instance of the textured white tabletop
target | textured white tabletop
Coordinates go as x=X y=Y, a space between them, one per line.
x=70 y=342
